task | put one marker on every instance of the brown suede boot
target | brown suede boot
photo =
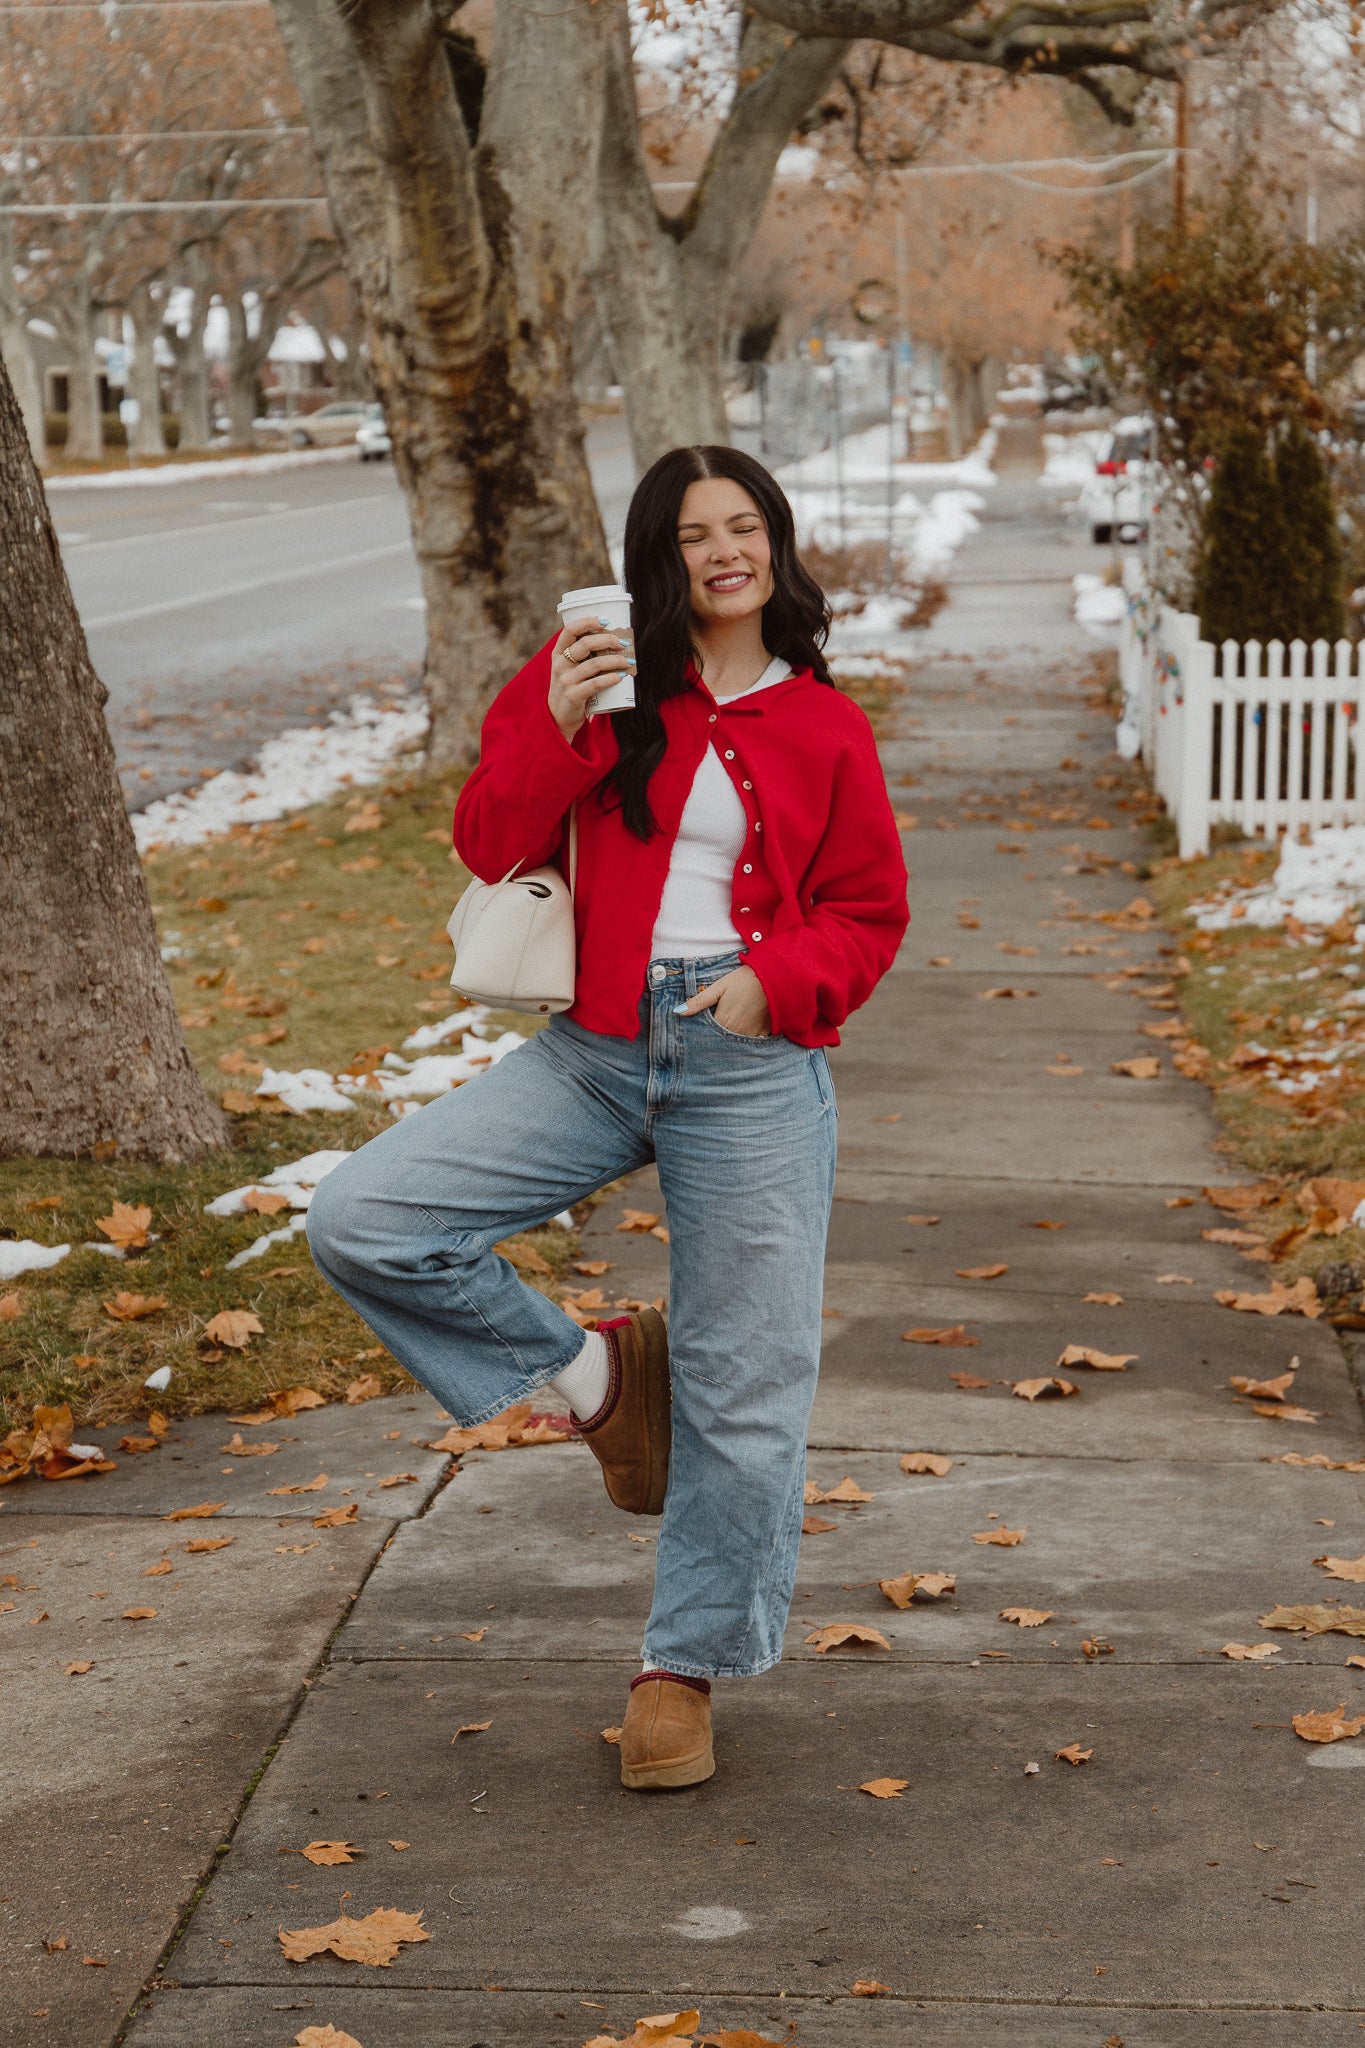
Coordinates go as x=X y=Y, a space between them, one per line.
x=632 y=1432
x=666 y=1735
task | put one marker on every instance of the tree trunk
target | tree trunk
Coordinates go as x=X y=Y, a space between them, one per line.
x=191 y=364
x=665 y=283
x=144 y=384
x=75 y=321
x=246 y=353
x=91 y=1051
x=461 y=266
x=16 y=350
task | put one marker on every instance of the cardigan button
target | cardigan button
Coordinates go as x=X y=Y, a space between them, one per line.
x=748 y=867
x=758 y=825
x=744 y=910
x=712 y=719
x=729 y=753
x=755 y=935
x=748 y=785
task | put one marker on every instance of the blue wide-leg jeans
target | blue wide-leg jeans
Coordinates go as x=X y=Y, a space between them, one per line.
x=743 y=1131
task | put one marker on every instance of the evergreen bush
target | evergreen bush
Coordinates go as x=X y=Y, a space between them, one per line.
x=1271 y=564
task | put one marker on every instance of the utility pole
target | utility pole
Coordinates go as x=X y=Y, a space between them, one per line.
x=1182 y=144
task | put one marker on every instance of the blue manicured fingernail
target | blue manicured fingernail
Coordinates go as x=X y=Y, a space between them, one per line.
x=680 y=1010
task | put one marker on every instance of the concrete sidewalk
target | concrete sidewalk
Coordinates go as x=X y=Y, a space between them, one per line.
x=1194 y=1882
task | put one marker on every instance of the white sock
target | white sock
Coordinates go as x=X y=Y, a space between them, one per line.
x=583 y=1383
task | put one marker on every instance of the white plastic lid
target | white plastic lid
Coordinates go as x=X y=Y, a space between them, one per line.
x=600 y=593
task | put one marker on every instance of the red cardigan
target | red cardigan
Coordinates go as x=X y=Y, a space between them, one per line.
x=819 y=896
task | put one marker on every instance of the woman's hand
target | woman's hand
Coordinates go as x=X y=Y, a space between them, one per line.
x=584 y=659
x=738 y=1001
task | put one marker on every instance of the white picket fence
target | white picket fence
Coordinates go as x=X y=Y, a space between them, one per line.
x=1266 y=738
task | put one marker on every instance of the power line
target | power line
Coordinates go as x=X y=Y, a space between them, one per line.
x=61 y=210
x=154 y=135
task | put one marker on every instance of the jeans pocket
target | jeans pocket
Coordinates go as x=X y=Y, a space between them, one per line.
x=743 y=1037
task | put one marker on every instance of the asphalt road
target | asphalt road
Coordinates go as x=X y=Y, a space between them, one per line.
x=221 y=611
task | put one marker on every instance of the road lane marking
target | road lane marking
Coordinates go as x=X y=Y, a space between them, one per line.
x=128 y=540
x=226 y=590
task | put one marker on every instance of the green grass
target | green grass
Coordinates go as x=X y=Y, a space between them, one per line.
x=374 y=902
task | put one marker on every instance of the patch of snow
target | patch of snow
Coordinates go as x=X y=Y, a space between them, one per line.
x=297 y=1179
x=437 y=1073
x=159 y=1380
x=428 y=1035
x=24 y=1255
x=196 y=472
x=110 y=1251
x=308 y=1088
x=863 y=461
x=1070 y=459
x=305 y=765
x=1098 y=603
x=1317 y=884
x=260 y=1245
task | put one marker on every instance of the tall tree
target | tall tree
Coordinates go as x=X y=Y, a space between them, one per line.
x=664 y=280
x=463 y=258
x=91 y=1051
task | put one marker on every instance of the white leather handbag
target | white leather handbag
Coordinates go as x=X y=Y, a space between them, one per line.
x=515 y=944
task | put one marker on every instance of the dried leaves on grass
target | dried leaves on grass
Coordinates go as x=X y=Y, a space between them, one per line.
x=134 y=1308
x=234 y=1327
x=375 y=1940
x=126 y=1226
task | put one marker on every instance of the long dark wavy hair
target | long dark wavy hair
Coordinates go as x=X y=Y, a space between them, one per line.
x=796 y=617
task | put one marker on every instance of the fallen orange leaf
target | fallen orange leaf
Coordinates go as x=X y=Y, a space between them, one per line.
x=79 y=1669
x=139 y=1614
x=137 y=1446
x=324 y=2037
x=885 y=1788
x=264 y=1202
x=11 y=1307
x=1250 y=1653
x=969 y=1382
x=980 y=1272
x=234 y=1327
x=1073 y=1754
x=325 y=1854
x=289 y=1401
x=812 y=1525
x=1352 y=1569
x=1005 y=1538
x=868 y=1987
x=307 y=1486
x=131 y=1308
x=1104 y=1300
x=1145 y=1068
x=1098 y=1361
x=839 y=1633
x=1331 y=1725
x=199 y=1545
x=374 y=1940
x=195 y=1514
x=1049 y=1386
x=639 y=1219
x=1300 y=1300
x=126 y=1226
x=1285 y=1411
x=470 y=1728
x=1316 y=1620
x=847 y=1494
x=612 y=1736
x=335 y=1518
x=367 y=1388
x=1026 y=1617
x=238 y=1448
x=1265 y=1390
x=954 y=1338
x=933 y=1585
x=926 y=1461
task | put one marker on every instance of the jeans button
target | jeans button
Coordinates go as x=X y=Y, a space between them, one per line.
x=657 y=973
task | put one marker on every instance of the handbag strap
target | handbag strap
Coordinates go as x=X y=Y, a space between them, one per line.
x=573 y=852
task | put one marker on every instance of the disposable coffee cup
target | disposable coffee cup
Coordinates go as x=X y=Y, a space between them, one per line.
x=611 y=604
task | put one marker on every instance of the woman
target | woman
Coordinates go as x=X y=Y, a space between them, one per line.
x=740 y=889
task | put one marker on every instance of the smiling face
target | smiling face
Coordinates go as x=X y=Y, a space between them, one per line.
x=725 y=548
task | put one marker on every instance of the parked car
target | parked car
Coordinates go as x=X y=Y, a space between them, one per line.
x=331 y=426
x=372 y=435
x=1114 y=499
